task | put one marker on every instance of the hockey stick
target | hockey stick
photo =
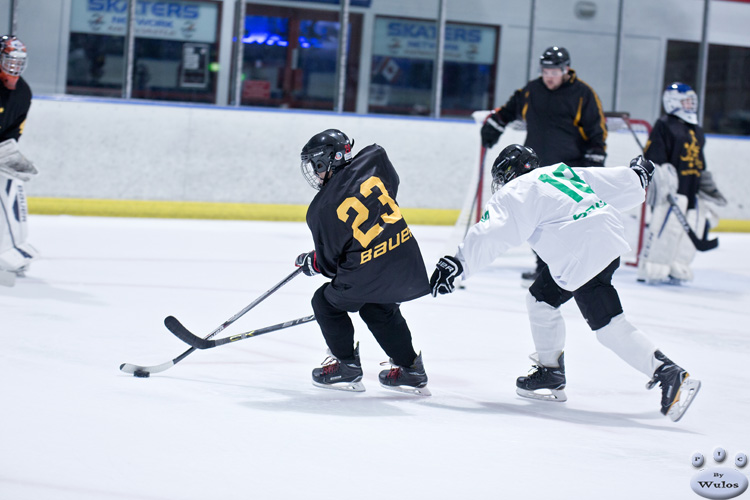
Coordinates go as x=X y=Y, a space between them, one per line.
x=702 y=245
x=144 y=371
x=198 y=343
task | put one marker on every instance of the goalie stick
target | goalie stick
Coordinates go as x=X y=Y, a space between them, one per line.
x=196 y=342
x=145 y=371
x=702 y=245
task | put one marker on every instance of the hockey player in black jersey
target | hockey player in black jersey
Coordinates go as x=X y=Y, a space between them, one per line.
x=16 y=254
x=363 y=244
x=676 y=143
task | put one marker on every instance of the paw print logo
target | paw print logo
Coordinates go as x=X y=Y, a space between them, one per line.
x=719 y=482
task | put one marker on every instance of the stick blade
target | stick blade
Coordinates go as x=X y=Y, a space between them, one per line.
x=182 y=333
x=704 y=245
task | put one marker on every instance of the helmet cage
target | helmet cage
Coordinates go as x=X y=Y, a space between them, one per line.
x=316 y=162
x=324 y=155
x=12 y=56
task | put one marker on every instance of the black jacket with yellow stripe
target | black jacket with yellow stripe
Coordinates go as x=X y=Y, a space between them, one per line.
x=562 y=124
x=361 y=239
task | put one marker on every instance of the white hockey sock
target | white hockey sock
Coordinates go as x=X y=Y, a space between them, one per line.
x=547 y=330
x=630 y=344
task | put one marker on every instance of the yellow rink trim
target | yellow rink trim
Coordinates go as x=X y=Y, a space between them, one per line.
x=246 y=211
x=207 y=210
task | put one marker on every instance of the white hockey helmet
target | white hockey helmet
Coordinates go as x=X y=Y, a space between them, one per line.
x=681 y=100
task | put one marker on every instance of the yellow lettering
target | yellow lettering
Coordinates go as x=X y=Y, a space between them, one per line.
x=366 y=256
x=391 y=246
x=405 y=234
x=380 y=249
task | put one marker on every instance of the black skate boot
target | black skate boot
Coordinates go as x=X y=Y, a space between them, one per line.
x=410 y=379
x=549 y=380
x=677 y=388
x=340 y=374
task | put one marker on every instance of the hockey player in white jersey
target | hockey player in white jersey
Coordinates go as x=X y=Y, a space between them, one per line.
x=571 y=218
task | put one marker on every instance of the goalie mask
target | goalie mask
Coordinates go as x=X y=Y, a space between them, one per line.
x=681 y=100
x=323 y=155
x=513 y=161
x=12 y=60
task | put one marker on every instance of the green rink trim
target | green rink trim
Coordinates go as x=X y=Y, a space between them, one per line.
x=207 y=210
x=246 y=211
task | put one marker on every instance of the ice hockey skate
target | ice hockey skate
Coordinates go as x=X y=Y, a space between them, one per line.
x=677 y=388
x=340 y=374
x=411 y=379
x=544 y=383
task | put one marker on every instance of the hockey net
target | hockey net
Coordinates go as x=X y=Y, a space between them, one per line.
x=626 y=138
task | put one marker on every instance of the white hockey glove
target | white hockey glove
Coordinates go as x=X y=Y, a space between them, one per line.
x=308 y=262
x=13 y=164
x=644 y=168
x=447 y=269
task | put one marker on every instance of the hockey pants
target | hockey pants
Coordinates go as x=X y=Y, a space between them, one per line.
x=385 y=322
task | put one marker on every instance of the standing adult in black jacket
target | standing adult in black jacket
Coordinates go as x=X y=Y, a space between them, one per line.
x=362 y=243
x=564 y=119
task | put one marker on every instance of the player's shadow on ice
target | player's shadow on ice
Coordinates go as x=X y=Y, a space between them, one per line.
x=374 y=402
x=377 y=402
x=560 y=412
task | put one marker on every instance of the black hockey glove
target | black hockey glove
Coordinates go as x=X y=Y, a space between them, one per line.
x=447 y=269
x=491 y=130
x=644 y=168
x=594 y=159
x=308 y=262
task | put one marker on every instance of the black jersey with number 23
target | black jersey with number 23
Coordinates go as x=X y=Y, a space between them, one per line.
x=361 y=239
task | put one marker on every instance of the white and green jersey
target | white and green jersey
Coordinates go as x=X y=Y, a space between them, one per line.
x=569 y=216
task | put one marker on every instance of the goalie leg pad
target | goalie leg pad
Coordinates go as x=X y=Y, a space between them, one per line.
x=680 y=268
x=630 y=344
x=661 y=243
x=15 y=253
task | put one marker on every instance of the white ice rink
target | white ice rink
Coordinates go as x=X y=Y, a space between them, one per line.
x=242 y=421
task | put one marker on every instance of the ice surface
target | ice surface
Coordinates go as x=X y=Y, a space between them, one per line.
x=243 y=420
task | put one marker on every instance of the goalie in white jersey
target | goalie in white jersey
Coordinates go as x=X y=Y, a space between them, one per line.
x=571 y=218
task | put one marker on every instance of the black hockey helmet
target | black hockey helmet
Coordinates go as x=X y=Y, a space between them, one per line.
x=555 y=57
x=325 y=153
x=513 y=161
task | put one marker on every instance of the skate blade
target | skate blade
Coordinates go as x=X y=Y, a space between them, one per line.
x=342 y=386
x=556 y=395
x=407 y=389
x=688 y=389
